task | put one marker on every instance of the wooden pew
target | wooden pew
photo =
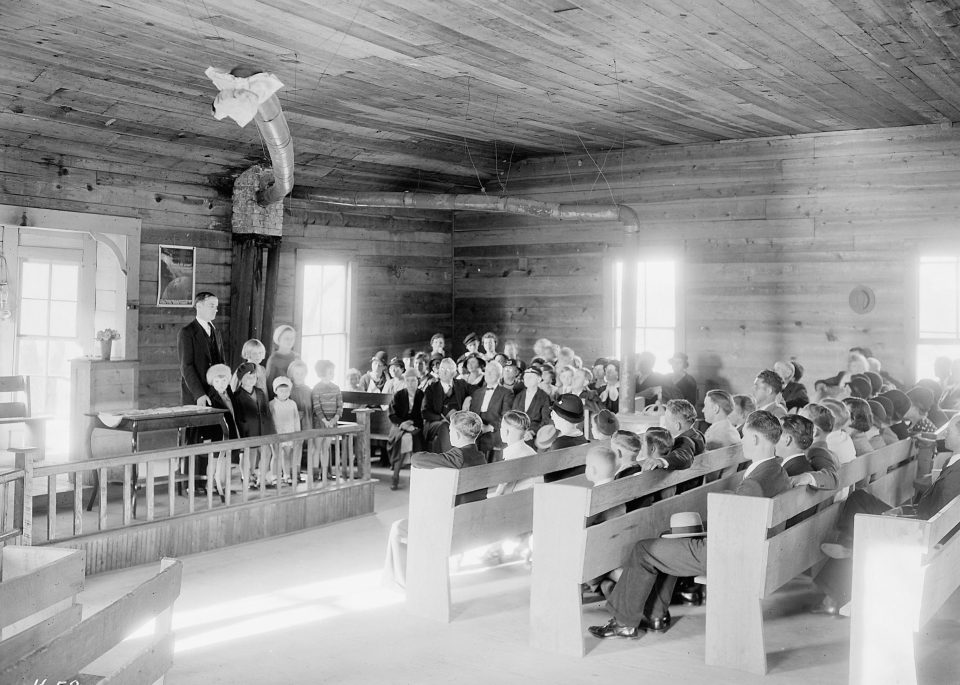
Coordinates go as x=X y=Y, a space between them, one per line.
x=752 y=551
x=439 y=528
x=58 y=649
x=567 y=552
x=903 y=571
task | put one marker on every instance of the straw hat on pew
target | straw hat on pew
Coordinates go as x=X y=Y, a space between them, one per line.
x=685 y=524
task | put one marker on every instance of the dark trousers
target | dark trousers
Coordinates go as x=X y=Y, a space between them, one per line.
x=836 y=576
x=646 y=586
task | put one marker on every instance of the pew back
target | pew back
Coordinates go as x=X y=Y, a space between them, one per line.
x=569 y=551
x=914 y=562
x=438 y=527
x=756 y=545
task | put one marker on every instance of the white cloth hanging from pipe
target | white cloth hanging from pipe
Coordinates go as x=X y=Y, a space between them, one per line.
x=240 y=98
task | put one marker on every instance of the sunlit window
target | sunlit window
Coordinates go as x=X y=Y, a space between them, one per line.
x=324 y=318
x=938 y=311
x=47 y=331
x=656 y=309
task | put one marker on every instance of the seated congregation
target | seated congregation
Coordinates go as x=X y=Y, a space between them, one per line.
x=786 y=444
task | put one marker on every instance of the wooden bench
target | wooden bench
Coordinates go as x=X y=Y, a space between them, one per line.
x=568 y=552
x=755 y=545
x=45 y=639
x=903 y=571
x=439 y=528
x=379 y=417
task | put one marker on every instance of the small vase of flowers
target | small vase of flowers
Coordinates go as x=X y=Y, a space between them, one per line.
x=106 y=338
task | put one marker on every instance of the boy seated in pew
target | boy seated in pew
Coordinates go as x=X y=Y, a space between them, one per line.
x=604 y=425
x=743 y=406
x=465 y=428
x=601 y=465
x=513 y=428
x=824 y=463
x=641 y=598
x=678 y=418
x=794 y=442
x=836 y=577
x=627 y=446
x=717 y=408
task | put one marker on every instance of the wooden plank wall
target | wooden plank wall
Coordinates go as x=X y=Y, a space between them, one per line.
x=402 y=271
x=773 y=234
x=175 y=206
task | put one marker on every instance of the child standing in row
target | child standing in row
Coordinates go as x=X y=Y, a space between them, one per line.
x=254 y=352
x=327 y=402
x=301 y=394
x=286 y=419
x=253 y=416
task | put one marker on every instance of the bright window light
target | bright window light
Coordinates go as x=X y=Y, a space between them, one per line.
x=656 y=309
x=324 y=319
x=938 y=311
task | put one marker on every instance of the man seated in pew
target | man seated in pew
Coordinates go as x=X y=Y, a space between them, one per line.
x=490 y=402
x=533 y=401
x=641 y=598
x=463 y=453
x=444 y=395
x=678 y=418
x=567 y=417
x=901 y=406
x=601 y=468
x=407 y=424
x=835 y=578
x=921 y=402
x=743 y=406
x=627 y=446
x=717 y=408
x=935 y=414
x=881 y=423
x=823 y=463
x=766 y=392
x=794 y=442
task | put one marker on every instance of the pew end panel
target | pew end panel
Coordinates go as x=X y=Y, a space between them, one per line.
x=736 y=567
x=559 y=513
x=903 y=571
x=433 y=493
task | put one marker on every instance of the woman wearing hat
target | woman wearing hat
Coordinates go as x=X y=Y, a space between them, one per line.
x=376 y=377
x=284 y=338
x=395 y=369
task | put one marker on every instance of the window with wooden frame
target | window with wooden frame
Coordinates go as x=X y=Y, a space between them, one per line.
x=938 y=311
x=657 y=301
x=324 y=313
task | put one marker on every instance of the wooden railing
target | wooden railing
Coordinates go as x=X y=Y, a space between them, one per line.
x=12 y=489
x=164 y=469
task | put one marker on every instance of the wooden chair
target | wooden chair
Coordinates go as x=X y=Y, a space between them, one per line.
x=15 y=385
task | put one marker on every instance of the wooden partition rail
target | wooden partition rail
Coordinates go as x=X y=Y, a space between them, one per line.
x=755 y=545
x=903 y=571
x=13 y=489
x=350 y=446
x=570 y=552
x=439 y=527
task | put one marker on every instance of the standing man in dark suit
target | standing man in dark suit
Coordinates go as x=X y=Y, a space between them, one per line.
x=651 y=571
x=490 y=402
x=199 y=347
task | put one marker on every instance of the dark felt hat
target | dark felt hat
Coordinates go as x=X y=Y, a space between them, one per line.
x=535 y=370
x=887 y=405
x=798 y=367
x=245 y=368
x=901 y=404
x=396 y=361
x=538 y=360
x=470 y=338
x=601 y=361
x=833 y=381
x=876 y=381
x=607 y=423
x=860 y=387
x=381 y=356
x=879 y=412
x=510 y=362
x=922 y=398
x=569 y=407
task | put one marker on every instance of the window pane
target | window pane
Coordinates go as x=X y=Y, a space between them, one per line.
x=641 y=294
x=335 y=349
x=32 y=357
x=617 y=296
x=63 y=319
x=61 y=352
x=35 y=280
x=661 y=294
x=661 y=342
x=937 y=287
x=927 y=353
x=311 y=350
x=64 y=282
x=312 y=287
x=33 y=317
x=334 y=299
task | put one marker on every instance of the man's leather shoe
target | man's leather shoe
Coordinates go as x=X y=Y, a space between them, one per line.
x=657 y=625
x=691 y=597
x=613 y=628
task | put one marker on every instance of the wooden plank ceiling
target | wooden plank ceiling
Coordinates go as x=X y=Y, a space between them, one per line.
x=445 y=94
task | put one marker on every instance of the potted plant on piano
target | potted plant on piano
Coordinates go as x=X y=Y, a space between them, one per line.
x=106 y=338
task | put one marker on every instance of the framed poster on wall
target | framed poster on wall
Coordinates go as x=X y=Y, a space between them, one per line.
x=176 y=276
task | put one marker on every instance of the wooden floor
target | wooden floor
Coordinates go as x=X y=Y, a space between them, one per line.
x=310 y=607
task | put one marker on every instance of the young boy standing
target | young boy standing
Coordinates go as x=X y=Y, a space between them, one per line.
x=327 y=401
